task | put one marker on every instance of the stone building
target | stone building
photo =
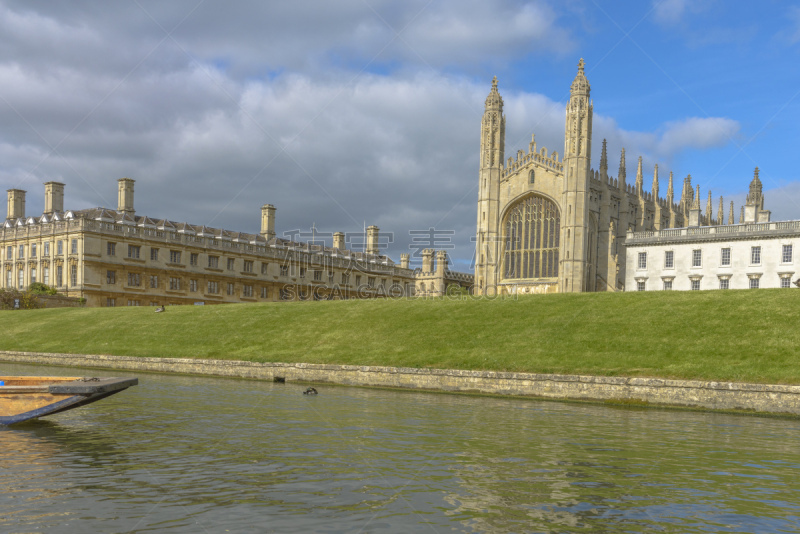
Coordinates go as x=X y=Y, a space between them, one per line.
x=756 y=253
x=550 y=223
x=115 y=258
x=434 y=279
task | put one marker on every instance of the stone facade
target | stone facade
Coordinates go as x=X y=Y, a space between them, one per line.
x=547 y=224
x=434 y=279
x=755 y=253
x=116 y=258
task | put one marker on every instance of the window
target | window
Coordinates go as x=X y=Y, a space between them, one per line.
x=21 y=251
x=231 y=264
x=21 y=279
x=153 y=254
x=642 y=260
x=724 y=283
x=33 y=275
x=530 y=242
x=725 y=258
x=111 y=249
x=302 y=272
x=174 y=284
x=213 y=262
x=230 y=288
x=133 y=251
x=330 y=277
x=74 y=248
x=193 y=286
x=358 y=280
x=286 y=293
x=667 y=285
x=786 y=257
x=754 y=282
x=264 y=268
x=371 y=282
x=785 y=281
x=264 y=293
x=10 y=279
x=111 y=277
x=133 y=303
x=134 y=280
x=248 y=266
x=193 y=258
x=213 y=288
x=755 y=256
x=174 y=256
x=697 y=259
x=153 y=281
x=639 y=285
x=33 y=250
x=247 y=291
x=345 y=279
x=695 y=285
x=46 y=248
x=60 y=248
x=669 y=259
x=59 y=275
x=9 y=253
x=318 y=276
x=46 y=275
x=73 y=272
x=531 y=177
x=110 y=303
x=284 y=270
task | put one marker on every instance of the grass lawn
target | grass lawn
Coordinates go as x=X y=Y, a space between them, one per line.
x=747 y=335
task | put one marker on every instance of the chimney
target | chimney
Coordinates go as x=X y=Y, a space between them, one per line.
x=53 y=198
x=268 y=221
x=338 y=241
x=372 y=240
x=404 y=261
x=125 y=196
x=16 y=204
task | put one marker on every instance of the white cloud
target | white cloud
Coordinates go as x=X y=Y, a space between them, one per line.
x=669 y=11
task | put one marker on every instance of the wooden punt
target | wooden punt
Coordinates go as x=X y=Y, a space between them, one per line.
x=29 y=397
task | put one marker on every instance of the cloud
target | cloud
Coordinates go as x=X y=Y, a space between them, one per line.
x=669 y=11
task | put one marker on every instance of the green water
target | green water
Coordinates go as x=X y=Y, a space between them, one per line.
x=186 y=454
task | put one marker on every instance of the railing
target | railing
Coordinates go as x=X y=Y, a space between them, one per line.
x=727 y=230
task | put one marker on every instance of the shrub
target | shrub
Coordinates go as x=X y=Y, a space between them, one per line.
x=38 y=288
x=27 y=300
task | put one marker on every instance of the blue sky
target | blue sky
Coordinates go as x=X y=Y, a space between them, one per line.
x=359 y=112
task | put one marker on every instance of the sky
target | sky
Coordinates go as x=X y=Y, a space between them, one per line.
x=351 y=113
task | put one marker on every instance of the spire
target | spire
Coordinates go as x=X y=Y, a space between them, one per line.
x=709 y=209
x=494 y=101
x=696 y=203
x=730 y=214
x=604 y=160
x=721 y=212
x=755 y=196
x=655 y=183
x=670 y=192
x=741 y=216
x=622 y=174
x=639 y=177
x=580 y=85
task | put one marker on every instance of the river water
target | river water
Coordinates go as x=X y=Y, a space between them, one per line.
x=193 y=454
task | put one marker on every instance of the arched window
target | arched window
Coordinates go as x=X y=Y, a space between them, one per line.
x=531 y=239
x=531 y=176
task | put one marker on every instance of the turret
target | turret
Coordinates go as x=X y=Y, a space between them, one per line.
x=604 y=163
x=338 y=241
x=404 y=260
x=622 y=174
x=709 y=209
x=639 y=178
x=655 y=184
x=730 y=214
x=721 y=212
x=493 y=131
x=427 y=260
x=574 y=271
x=754 y=208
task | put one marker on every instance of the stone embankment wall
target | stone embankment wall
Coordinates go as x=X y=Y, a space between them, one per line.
x=687 y=393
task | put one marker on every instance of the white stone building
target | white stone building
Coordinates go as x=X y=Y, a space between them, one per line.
x=756 y=253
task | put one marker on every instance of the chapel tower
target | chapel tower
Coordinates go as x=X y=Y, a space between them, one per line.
x=574 y=200
x=487 y=250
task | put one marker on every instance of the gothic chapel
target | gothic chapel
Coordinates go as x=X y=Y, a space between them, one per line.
x=548 y=223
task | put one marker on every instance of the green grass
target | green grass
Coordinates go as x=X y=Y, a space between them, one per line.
x=750 y=336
